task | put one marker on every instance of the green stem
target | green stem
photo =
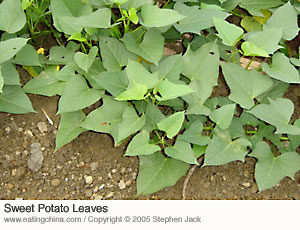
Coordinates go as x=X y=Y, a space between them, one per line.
x=166 y=4
x=250 y=62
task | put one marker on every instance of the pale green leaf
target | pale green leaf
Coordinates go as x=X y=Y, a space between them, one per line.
x=245 y=85
x=107 y=118
x=139 y=145
x=223 y=150
x=78 y=95
x=157 y=172
x=193 y=134
x=27 y=56
x=182 y=150
x=1 y=80
x=223 y=116
x=151 y=48
x=12 y=16
x=254 y=6
x=153 y=116
x=172 y=124
x=136 y=92
x=45 y=84
x=113 y=53
x=14 y=100
x=285 y=17
x=202 y=91
x=278 y=113
x=195 y=19
x=251 y=24
x=250 y=49
x=281 y=69
x=267 y=39
x=229 y=33
x=114 y=82
x=170 y=68
x=270 y=170
x=85 y=61
x=277 y=90
x=169 y=90
x=130 y=124
x=203 y=63
x=10 y=48
x=152 y=16
x=10 y=74
x=69 y=128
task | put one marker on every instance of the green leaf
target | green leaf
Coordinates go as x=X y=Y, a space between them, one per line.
x=183 y=151
x=152 y=16
x=135 y=4
x=139 y=145
x=157 y=172
x=202 y=91
x=285 y=17
x=26 y=4
x=68 y=8
x=12 y=16
x=107 y=118
x=133 y=16
x=69 y=128
x=60 y=55
x=10 y=74
x=78 y=95
x=1 y=80
x=270 y=170
x=250 y=49
x=170 y=68
x=114 y=82
x=172 y=124
x=151 y=48
x=45 y=84
x=223 y=150
x=278 y=113
x=194 y=134
x=130 y=124
x=27 y=56
x=202 y=64
x=85 y=61
x=196 y=20
x=14 y=100
x=267 y=39
x=277 y=90
x=113 y=53
x=10 y=47
x=65 y=74
x=169 y=90
x=153 y=116
x=251 y=24
x=137 y=73
x=244 y=85
x=223 y=116
x=281 y=69
x=254 y=6
x=137 y=92
x=229 y=33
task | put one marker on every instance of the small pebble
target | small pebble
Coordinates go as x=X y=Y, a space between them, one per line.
x=94 y=166
x=14 y=172
x=128 y=183
x=101 y=187
x=55 y=182
x=98 y=197
x=109 y=175
x=10 y=186
x=28 y=133
x=123 y=170
x=246 y=184
x=88 y=179
x=42 y=127
x=122 y=184
x=81 y=164
x=7 y=129
x=113 y=171
x=89 y=193
x=109 y=195
x=254 y=188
